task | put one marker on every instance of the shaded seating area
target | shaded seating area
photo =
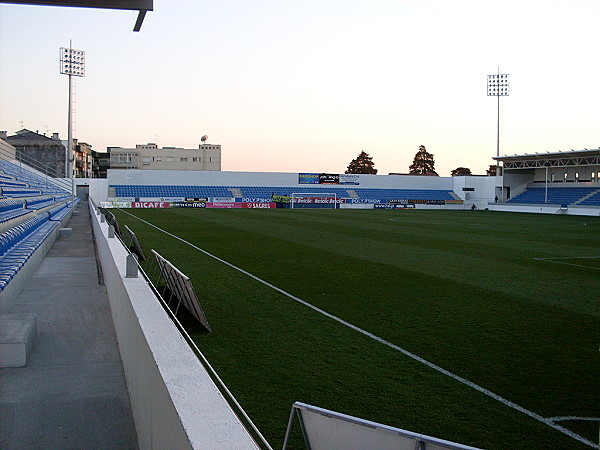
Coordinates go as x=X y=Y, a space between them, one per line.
x=557 y=196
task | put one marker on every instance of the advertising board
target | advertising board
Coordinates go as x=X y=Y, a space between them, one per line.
x=150 y=204
x=308 y=178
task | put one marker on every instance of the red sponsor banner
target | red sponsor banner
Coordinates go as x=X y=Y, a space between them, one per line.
x=252 y=205
x=223 y=204
x=259 y=205
x=150 y=204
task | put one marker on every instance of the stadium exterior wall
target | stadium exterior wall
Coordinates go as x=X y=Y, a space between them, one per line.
x=183 y=178
x=175 y=403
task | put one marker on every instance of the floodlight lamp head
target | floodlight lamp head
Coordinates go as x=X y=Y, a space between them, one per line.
x=204 y=138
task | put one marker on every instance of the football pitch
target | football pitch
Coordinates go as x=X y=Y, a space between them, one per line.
x=476 y=327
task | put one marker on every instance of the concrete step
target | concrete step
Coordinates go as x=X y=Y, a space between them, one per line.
x=17 y=333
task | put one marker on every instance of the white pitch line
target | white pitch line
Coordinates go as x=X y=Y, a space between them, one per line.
x=553 y=260
x=559 y=419
x=567 y=257
x=458 y=378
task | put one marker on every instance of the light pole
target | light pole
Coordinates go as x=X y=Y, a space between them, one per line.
x=497 y=86
x=72 y=63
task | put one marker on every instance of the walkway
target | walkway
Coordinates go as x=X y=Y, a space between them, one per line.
x=72 y=393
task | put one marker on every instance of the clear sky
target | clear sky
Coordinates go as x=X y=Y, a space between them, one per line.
x=305 y=85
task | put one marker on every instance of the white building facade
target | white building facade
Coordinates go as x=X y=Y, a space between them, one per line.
x=207 y=157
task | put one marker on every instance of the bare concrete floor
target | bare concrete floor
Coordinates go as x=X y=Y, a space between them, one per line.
x=72 y=393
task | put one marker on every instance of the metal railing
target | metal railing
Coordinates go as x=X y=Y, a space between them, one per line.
x=28 y=166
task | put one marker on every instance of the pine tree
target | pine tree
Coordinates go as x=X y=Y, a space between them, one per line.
x=460 y=172
x=363 y=163
x=491 y=172
x=423 y=164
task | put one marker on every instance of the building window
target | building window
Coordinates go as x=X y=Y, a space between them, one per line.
x=146 y=159
x=169 y=159
x=158 y=158
x=194 y=159
x=183 y=159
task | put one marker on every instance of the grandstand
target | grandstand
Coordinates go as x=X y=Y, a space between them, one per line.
x=569 y=180
x=559 y=196
x=32 y=210
x=264 y=194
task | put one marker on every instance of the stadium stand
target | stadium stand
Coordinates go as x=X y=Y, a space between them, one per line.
x=556 y=196
x=264 y=193
x=31 y=208
x=592 y=200
x=11 y=208
x=19 y=243
x=39 y=202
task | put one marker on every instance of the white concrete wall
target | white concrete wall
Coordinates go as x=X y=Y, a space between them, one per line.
x=175 y=403
x=484 y=189
x=158 y=177
x=98 y=189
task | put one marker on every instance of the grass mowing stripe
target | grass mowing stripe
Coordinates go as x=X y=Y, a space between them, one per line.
x=415 y=357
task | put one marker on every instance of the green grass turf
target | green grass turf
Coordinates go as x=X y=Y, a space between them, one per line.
x=462 y=289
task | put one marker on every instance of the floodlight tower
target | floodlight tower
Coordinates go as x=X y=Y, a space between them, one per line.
x=72 y=63
x=497 y=86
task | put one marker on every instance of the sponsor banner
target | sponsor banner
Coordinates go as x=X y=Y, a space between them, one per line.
x=393 y=206
x=188 y=204
x=158 y=199
x=364 y=200
x=222 y=199
x=436 y=202
x=308 y=178
x=454 y=202
x=115 y=204
x=251 y=205
x=196 y=199
x=349 y=178
x=275 y=198
x=398 y=200
x=214 y=204
x=124 y=199
x=258 y=205
x=319 y=200
x=329 y=178
x=150 y=204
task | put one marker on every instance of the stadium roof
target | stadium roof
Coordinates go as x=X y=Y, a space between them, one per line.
x=566 y=158
x=142 y=6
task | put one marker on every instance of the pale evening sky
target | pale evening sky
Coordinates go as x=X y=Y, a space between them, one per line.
x=305 y=85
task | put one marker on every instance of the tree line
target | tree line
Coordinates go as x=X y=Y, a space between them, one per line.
x=423 y=164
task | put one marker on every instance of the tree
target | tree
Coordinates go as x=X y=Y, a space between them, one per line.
x=363 y=163
x=460 y=172
x=423 y=163
x=491 y=172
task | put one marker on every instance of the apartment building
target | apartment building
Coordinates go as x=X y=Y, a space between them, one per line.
x=151 y=157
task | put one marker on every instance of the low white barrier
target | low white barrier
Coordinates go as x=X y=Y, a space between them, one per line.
x=175 y=403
